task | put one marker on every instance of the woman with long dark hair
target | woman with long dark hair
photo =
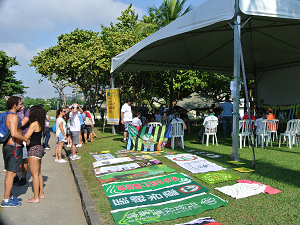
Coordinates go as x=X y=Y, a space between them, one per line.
x=61 y=134
x=36 y=151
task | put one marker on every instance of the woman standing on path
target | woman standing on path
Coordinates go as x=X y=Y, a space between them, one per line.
x=36 y=128
x=61 y=134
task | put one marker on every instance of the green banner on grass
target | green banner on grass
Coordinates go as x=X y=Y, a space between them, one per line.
x=152 y=183
x=170 y=210
x=216 y=177
x=133 y=174
x=152 y=197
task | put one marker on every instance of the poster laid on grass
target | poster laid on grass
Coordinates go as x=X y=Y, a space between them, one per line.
x=169 y=210
x=148 y=138
x=216 y=177
x=152 y=183
x=113 y=169
x=103 y=156
x=157 y=196
x=202 y=221
x=133 y=174
x=125 y=167
x=111 y=161
x=113 y=106
x=194 y=163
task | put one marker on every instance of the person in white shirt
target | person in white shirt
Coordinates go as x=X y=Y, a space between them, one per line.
x=126 y=117
x=75 y=129
x=208 y=118
x=61 y=134
x=136 y=120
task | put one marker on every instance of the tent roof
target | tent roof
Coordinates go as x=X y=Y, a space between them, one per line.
x=197 y=101
x=203 y=39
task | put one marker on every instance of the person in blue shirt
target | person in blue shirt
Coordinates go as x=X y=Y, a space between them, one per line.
x=227 y=108
x=81 y=119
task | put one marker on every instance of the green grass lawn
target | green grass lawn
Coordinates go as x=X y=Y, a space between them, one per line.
x=277 y=167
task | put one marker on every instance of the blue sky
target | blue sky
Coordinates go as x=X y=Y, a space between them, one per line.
x=28 y=27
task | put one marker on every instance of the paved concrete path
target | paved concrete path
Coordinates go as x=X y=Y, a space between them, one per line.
x=62 y=204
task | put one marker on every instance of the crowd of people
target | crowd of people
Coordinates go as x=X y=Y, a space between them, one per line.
x=29 y=138
x=26 y=132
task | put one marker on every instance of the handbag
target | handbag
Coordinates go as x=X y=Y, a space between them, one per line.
x=88 y=122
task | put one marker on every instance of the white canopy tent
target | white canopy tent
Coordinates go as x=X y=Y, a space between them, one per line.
x=207 y=39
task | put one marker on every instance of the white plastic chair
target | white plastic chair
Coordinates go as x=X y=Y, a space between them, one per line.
x=273 y=128
x=177 y=131
x=154 y=124
x=210 y=130
x=245 y=131
x=290 y=133
x=263 y=133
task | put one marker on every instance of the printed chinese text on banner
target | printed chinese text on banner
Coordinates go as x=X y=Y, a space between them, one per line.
x=113 y=106
x=148 y=138
x=182 y=207
x=152 y=183
x=157 y=196
x=134 y=174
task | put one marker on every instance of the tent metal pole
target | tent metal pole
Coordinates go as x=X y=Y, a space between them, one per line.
x=112 y=80
x=236 y=93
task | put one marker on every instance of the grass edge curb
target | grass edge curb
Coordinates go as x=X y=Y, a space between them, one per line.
x=87 y=203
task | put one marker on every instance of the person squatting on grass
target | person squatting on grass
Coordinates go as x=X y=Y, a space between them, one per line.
x=61 y=134
x=36 y=151
x=12 y=151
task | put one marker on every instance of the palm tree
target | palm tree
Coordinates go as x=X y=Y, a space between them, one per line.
x=169 y=11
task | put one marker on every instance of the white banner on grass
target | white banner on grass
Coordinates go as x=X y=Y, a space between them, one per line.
x=194 y=163
x=111 y=161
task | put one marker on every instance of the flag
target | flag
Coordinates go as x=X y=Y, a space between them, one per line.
x=148 y=138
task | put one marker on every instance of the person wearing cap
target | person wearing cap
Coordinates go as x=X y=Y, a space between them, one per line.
x=270 y=116
x=75 y=129
x=227 y=108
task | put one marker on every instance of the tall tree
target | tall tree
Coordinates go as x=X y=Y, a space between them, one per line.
x=169 y=11
x=9 y=85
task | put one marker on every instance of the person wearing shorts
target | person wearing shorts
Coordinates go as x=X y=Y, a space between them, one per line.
x=12 y=151
x=61 y=134
x=75 y=129
x=126 y=117
x=24 y=117
x=36 y=151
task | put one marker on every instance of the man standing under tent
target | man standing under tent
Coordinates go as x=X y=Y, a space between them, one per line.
x=126 y=116
x=227 y=108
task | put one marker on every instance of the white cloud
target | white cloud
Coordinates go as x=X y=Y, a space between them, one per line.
x=47 y=15
x=19 y=49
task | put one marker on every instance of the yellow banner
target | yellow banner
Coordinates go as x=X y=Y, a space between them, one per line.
x=113 y=106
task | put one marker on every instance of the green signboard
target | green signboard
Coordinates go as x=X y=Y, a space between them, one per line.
x=216 y=177
x=137 y=173
x=152 y=183
x=170 y=210
x=152 y=197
